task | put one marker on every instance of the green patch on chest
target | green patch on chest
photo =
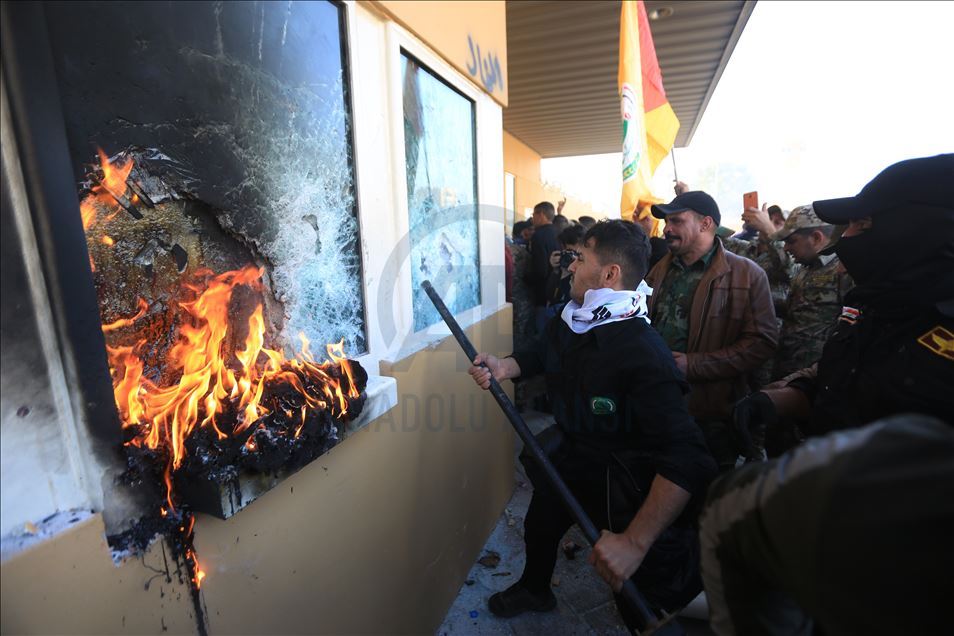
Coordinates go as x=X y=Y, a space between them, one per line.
x=602 y=406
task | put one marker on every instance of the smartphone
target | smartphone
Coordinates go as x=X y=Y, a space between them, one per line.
x=750 y=200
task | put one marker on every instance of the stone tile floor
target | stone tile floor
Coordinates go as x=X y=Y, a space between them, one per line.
x=584 y=604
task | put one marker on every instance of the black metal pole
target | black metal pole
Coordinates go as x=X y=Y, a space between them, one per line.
x=629 y=592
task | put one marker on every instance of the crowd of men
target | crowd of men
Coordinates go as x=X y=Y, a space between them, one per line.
x=808 y=360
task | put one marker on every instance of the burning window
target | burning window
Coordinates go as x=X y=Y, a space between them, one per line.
x=212 y=145
x=441 y=190
x=242 y=112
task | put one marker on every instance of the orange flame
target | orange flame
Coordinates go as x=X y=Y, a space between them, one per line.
x=88 y=212
x=190 y=555
x=124 y=322
x=209 y=380
x=199 y=573
x=106 y=194
x=114 y=176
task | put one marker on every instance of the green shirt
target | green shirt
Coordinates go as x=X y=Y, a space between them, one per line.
x=673 y=309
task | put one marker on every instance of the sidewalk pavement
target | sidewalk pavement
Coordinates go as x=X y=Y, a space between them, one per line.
x=584 y=603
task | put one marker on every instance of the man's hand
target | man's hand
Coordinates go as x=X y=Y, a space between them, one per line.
x=759 y=219
x=560 y=206
x=555 y=259
x=682 y=362
x=616 y=557
x=680 y=188
x=504 y=369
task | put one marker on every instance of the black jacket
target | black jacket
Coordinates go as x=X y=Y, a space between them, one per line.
x=543 y=243
x=882 y=363
x=616 y=388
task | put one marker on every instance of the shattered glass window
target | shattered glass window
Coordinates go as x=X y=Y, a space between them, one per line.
x=237 y=115
x=440 y=150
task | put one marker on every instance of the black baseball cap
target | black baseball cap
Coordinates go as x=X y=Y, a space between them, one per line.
x=926 y=181
x=696 y=200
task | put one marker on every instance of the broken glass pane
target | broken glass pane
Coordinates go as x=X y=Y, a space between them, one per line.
x=249 y=102
x=440 y=150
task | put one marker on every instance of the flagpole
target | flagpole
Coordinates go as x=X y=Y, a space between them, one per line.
x=675 y=174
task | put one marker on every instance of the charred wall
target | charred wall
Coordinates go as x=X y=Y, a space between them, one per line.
x=33 y=412
x=250 y=102
x=376 y=536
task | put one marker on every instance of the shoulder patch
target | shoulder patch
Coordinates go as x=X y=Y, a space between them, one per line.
x=850 y=315
x=602 y=406
x=939 y=341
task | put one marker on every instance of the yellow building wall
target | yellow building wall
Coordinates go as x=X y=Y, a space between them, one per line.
x=376 y=536
x=470 y=34
x=523 y=163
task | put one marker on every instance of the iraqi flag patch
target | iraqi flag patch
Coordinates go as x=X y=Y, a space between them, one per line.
x=849 y=315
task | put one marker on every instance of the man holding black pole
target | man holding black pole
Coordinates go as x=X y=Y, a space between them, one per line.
x=623 y=441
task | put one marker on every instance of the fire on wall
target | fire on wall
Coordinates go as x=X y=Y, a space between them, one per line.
x=211 y=151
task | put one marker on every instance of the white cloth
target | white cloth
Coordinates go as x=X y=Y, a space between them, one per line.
x=605 y=305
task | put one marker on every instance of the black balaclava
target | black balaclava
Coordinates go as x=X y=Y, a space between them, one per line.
x=905 y=257
x=905 y=260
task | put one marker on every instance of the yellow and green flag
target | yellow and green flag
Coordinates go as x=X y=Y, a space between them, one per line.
x=649 y=123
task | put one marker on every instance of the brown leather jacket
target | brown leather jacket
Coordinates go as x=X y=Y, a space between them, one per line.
x=732 y=330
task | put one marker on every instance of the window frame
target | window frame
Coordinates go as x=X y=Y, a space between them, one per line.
x=476 y=177
x=43 y=185
x=346 y=19
x=488 y=116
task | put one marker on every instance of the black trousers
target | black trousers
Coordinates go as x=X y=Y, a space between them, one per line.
x=723 y=448
x=610 y=491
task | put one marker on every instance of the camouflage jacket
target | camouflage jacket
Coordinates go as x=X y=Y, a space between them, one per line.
x=771 y=257
x=814 y=304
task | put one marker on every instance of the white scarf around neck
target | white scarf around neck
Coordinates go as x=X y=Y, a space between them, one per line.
x=605 y=305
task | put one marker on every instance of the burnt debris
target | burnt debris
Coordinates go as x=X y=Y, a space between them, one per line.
x=277 y=445
x=207 y=408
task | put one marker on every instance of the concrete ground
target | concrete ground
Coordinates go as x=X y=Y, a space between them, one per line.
x=584 y=603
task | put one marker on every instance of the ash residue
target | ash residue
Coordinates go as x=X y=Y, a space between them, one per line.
x=155 y=176
x=279 y=443
x=143 y=532
x=285 y=439
x=177 y=526
x=154 y=247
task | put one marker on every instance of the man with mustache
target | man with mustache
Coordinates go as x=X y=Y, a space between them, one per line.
x=714 y=310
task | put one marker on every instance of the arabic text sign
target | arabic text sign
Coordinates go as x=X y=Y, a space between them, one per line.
x=485 y=68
